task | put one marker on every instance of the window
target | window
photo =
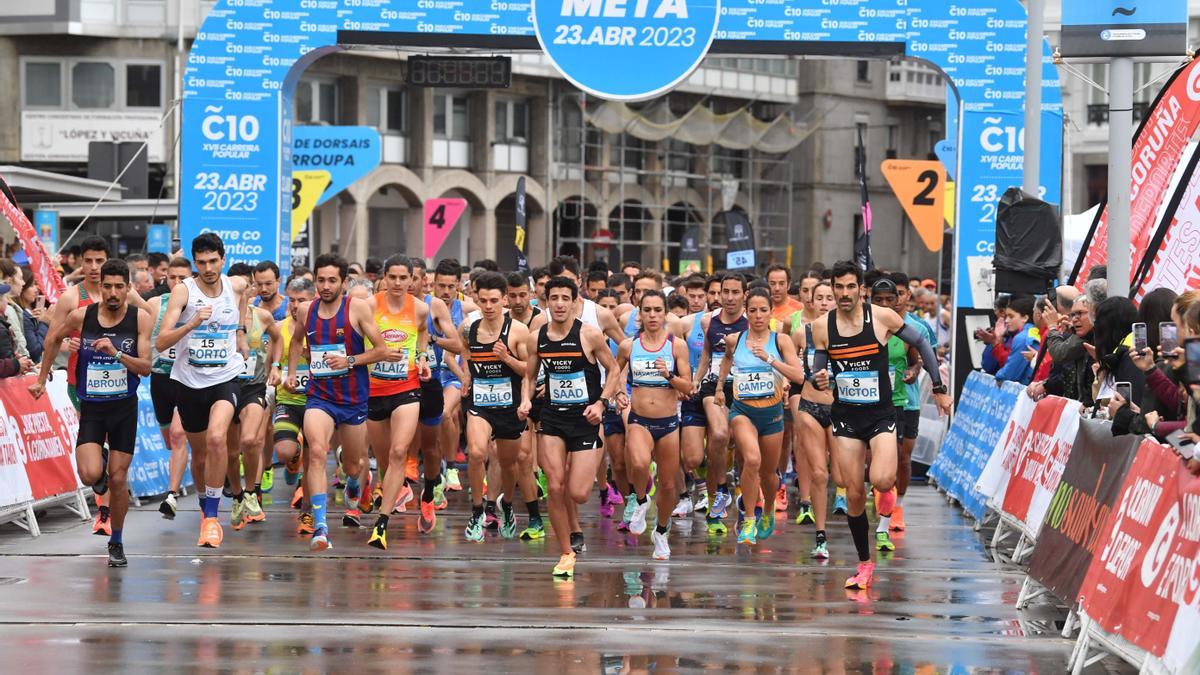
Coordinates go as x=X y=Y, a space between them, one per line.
x=385 y=109
x=864 y=71
x=143 y=85
x=450 y=117
x=43 y=84
x=93 y=85
x=512 y=121
x=316 y=101
x=626 y=150
x=679 y=155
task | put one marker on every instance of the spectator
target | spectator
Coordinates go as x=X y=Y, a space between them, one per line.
x=12 y=277
x=1098 y=272
x=159 y=262
x=1024 y=341
x=1163 y=408
x=1071 y=376
x=32 y=305
x=12 y=363
x=137 y=261
x=143 y=282
x=996 y=340
x=374 y=269
x=1097 y=292
x=1114 y=321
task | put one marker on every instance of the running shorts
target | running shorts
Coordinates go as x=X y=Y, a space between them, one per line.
x=506 y=426
x=380 y=408
x=659 y=427
x=767 y=420
x=574 y=431
x=818 y=411
x=109 y=422
x=908 y=423
x=287 y=422
x=195 y=405
x=691 y=412
x=862 y=422
x=255 y=392
x=432 y=403
x=162 y=395
x=343 y=414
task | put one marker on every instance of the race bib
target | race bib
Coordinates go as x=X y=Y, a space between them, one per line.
x=391 y=370
x=106 y=379
x=209 y=349
x=167 y=356
x=645 y=373
x=302 y=373
x=858 y=387
x=248 y=369
x=492 y=392
x=319 y=366
x=754 y=384
x=568 y=389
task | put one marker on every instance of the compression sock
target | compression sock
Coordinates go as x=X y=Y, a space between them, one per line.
x=858 y=531
x=640 y=500
x=477 y=511
x=318 y=510
x=213 y=503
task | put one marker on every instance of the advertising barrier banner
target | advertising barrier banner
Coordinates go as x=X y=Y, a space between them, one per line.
x=148 y=473
x=982 y=413
x=37 y=441
x=1145 y=572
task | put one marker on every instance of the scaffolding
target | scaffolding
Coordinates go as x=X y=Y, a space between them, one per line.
x=619 y=198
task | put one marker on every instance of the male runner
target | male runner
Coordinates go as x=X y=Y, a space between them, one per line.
x=527 y=480
x=494 y=347
x=162 y=391
x=785 y=313
x=266 y=280
x=433 y=403
x=692 y=418
x=908 y=420
x=597 y=280
x=853 y=339
x=288 y=417
x=114 y=351
x=569 y=449
x=335 y=327
x=395 y=395
x=713 y=292
x=207 y=316
x=446 y=280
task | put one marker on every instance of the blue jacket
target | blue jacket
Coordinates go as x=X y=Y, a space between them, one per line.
x=1017 y=369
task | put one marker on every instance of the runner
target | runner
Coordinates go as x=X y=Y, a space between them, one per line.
x=529 y=478
x=729 y=319
x=814 y=438
x=853 y=340
x=207 y=316
x=494 y=346
x=162 y=392
x=756 y=357
x=569 y=449
x=266 y=281
x=336 y=328
x=288 y=418
x=433 y=403
x=613 y=430
x=658 y=364
x=692 y=418
x=785 y=314
x=114 y=354
x=446 y=279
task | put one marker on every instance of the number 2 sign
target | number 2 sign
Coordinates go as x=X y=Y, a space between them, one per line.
x=921 y=188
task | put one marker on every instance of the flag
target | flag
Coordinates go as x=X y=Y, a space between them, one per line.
x=862 y=246
x=519 y=238
x=40 y=262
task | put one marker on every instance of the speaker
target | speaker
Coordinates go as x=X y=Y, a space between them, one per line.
x=1028 y=244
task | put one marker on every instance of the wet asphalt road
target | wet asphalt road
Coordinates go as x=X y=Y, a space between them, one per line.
x=439 y=604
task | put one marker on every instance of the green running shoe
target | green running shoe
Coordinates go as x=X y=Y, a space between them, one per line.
x=805 y=515
x=543 y=491
x=536 y=530
x=716 y=526
x=821 y=551
x=748 y=532
x=268 y=479
x=237 y=515
x=766 y=525
x=883 y=542
x=474 y=531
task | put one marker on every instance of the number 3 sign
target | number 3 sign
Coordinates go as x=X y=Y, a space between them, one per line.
x=921 y=188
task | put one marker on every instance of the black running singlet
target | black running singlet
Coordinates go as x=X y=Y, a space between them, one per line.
x=493 y=383
x=715 y=334
x=572 y=381
x=860 y=365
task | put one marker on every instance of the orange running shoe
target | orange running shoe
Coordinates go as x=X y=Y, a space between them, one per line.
x=298 y=497
x=897 y=524
x=862 y=577
x=411 y=471
x=428 y=518
x=210 y=533
x=403 y=499
x=781 y=500
x=102 y=525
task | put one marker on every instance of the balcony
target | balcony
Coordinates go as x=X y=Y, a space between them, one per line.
x=913 y=82
x=1097 y=113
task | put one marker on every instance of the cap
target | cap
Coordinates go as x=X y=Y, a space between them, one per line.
x=930 y=284
x=5 y=289
x=884 y=286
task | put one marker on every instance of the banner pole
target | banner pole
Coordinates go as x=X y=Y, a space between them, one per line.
x=1033 y=96
x=1120 y=130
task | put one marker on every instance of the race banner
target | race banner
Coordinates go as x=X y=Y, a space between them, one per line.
x=1157 y=150
x=1170 y=260
x=149 y=473
x=40 y=262
x=1145 y=571
x=983 y=411
x=1040 y=461
x=993 y=482
x=1073 y=528
x=37 y=441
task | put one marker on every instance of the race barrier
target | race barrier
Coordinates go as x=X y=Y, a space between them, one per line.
x=149 y=473
x=1109 y=526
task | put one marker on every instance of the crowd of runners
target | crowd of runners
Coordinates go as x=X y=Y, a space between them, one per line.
x=705 y=395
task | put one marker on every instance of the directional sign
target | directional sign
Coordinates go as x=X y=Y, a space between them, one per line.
x=441 y=215
x=921 y=188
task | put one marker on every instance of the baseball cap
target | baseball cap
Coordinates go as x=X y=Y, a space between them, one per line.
x=5 y=289
x=930 y=284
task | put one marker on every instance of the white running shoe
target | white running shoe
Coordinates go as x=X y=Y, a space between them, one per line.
x=662 y=549
x=637 y=522
x=683 y=508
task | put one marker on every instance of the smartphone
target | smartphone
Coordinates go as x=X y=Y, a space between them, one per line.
x=1186 y=448
x=1191 y=350
x=1124 y=390
x=1168 y=336
x=1139 y=336
x=39 y=302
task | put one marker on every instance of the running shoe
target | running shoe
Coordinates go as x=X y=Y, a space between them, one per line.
x=637 y=524
x=378 y=537
x=747 y=533
x=320 y=540
x=365 y=502
x=298 y=497
x=439 y=497
x=543 y=490
x=491 y=522
x=352 y=518
x=862 y=577
x=781 y=499
x=884 y=543
x=720 y=504
x=536 y=530
x=291 y=470
x=403 y=499
x=508 y=526
x=614 y=497
x=805 y=515
x=607 y=509
x=474 y=531
x=116 y=555
x=453 y=483
x=701 y=500
x=821 y=551
x=839 y=505
x=210 y=533
x=377 y=497
x=716 y=525
x=897 y=524
x=237 y=515
x=254 y=510
x=566 y=566
x=683 y=507
x=577 y=543
x=427 y=519
x=169 y=507
x=102 y=525
x=662 y=548
x=411 y=470
x=630 y=504
x=766 y=526
x=306 y=524
x=885 y=503
x=268 y=479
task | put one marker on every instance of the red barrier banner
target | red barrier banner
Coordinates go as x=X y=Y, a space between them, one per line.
x=1040 y=461
x=1147 y=569
x=40 y=261
x=37 y=441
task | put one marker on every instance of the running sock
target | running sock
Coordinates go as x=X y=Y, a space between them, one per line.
x=477 y=511
x=352 y=488
x=213 y=502
x=821 y=537
x=116 y=537
x=490 y=507
x=662 y=528
x=532 y=509
x=858 y=531
x=203 y=506
x=685 y=493
x=884 y=523
x=318 y=510
x=427 y=493
x=640 y=500
x=805 y=506
x=239 y=496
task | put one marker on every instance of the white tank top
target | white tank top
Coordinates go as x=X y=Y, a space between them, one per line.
x=208 y=355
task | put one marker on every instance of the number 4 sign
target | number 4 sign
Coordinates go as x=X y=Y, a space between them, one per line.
x=441 y=215
x=921 y=188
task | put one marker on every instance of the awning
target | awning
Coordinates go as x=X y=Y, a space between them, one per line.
x=160 y=210
x=33 y=185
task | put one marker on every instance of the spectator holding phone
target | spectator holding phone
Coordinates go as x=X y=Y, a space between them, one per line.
x=32 y=304
x=1163 y=406
x=1114 y=342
